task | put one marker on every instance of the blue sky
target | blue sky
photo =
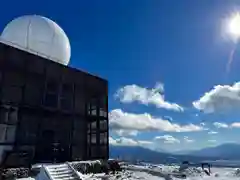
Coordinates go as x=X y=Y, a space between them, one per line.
x=159 y=58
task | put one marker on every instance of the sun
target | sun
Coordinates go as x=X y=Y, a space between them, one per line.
x=234 y=26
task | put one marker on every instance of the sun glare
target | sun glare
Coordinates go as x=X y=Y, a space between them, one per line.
x=234 y=26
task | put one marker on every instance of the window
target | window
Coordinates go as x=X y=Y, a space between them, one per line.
x=78 y=137
x=51 y=95
x=89 y=128
x=79 y=100
x=94 y=152
x=92 y=107
x=94 y=125
x=93 y=138
x=94 y=112
x=77 y=152
x=79 y=124
x=32 y=94
x=105 y=141
x=3 y=115
x=2 y=132
x=28 y=128
x=11 y=94
x=13 y=79
x=10 y=133
x=103 y=106
x=103 y=125
x=66 y=96
x=102 y=138
x=67 y=89
x=52 y=86
x=8 y=115
x=102 y=112
x=66 y=103
x=51 y=100
x=88 y=138
x=103 y=150
x=12 y=116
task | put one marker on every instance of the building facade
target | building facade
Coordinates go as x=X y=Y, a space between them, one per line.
x=47 y=107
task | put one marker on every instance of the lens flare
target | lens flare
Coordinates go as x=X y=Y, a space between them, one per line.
x=234 y=25
x=233 y=29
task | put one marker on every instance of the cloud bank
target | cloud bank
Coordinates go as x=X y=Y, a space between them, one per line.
x=130 y=123
x=221 y=98
x=146 y=96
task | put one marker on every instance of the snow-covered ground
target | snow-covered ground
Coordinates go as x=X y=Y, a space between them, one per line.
x=140 y=173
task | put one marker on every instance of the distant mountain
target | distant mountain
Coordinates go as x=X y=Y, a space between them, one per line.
x=140 y=153
x=183 y=152
x=225 y=151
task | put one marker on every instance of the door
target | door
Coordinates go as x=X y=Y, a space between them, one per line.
x=45 y=149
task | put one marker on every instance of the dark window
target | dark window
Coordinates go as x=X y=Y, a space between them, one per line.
x=51 y=100
x=66 y=104
x=51 y=94
x=32 y=94
x=28 y=129
x=94 y=125
x=106 y=138
x=78 y=137
x=2 y=132
x=94 y=152
x=104 y=150
x=13 y=79
x=103 y=106
x=52 y=87
x=102 y=136
x=103 y=125
x=12 y=116
x=77 y=152
x=3 y=115
x=79 y=124
x=89 y=128
x=67 y=89
x=92 y=107
x=88 y=138
x=93 y=138
x=102 y=112
x=11 y=94
x=10 y=133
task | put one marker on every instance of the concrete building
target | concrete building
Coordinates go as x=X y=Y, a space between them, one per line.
x=46 y=106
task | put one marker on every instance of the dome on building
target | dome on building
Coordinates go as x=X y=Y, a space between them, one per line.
x=38 y=35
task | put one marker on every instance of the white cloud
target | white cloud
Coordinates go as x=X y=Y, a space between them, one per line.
x=168 y=139
x=235 y=125
x=188 y=140
x=122 y=132
x=220 y=125
x=146 y=96
x=220 y=98
x=122 y=141
x=212 y=132
x=119 y=120
x=224 y=125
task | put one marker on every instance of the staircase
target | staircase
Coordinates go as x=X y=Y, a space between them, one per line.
x=59 y=172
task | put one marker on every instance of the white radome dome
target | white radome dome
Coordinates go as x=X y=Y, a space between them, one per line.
x=38 y=35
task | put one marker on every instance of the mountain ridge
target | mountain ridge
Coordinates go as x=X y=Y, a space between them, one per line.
x=228 y=151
